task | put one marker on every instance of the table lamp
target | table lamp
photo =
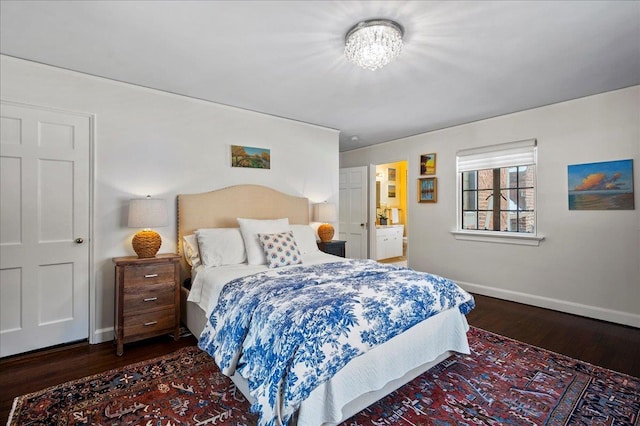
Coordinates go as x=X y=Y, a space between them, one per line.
x=325 y=212
x=147 y=213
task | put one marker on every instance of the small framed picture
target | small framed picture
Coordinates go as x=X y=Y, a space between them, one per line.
x=427 y=190
x=428 y=164
x=251 y=157
x=391 y=174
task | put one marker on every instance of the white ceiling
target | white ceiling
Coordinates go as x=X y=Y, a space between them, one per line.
x=462 y=60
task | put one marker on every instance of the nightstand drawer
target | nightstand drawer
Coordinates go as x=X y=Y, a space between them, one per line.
x=143 y=298
x=150 y=323
x=149 y=274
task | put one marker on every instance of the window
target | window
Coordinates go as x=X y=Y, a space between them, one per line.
x=511 y=186
x=497 y=188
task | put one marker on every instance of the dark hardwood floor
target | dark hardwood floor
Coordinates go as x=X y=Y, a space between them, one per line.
x=605 y=344
x=609 y=345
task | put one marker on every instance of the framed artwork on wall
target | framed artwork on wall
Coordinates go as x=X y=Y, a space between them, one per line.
x=427 y=164
x=427 y=190
x=251 y=157
x=391 y=191
x=391 y=174
x=601 y=186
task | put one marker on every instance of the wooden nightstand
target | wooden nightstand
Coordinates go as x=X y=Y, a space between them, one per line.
x=335 y=247
x=147 y=298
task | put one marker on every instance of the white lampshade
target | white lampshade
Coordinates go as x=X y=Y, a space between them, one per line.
x=325 y=212
x=148 y=213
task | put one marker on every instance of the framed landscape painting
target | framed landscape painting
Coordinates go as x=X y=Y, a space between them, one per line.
x=247 y=156
x=391 y=191
x=427 y=190
x=428 y=164
x=601 y=186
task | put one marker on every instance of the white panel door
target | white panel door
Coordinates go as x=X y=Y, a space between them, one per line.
x=353 y=211
x=44 y=218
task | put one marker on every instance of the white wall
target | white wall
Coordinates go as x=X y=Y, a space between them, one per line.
x=589 y=261
x=151 y=142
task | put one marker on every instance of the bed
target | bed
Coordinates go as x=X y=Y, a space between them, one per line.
x=365 y=378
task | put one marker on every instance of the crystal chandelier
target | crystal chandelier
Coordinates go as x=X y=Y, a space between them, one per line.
x=374 y=43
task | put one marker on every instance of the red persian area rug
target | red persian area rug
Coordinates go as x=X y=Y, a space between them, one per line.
x=502 y=382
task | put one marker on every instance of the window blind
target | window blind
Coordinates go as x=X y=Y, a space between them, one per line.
x=510 y=154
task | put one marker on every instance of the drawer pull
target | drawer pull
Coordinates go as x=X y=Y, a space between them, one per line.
x=151 y=275
x=150 y=299
x=150 y=323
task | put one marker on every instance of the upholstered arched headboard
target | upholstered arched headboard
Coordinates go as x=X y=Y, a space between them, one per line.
x=221 y=208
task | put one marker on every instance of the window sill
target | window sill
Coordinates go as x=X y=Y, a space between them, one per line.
x=498 y=237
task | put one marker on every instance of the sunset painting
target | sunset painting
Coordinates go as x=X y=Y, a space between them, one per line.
x=601 y=186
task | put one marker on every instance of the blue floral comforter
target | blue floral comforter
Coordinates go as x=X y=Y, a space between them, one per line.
x=288 y=331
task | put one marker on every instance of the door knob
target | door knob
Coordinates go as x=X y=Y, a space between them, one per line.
x=79 y=241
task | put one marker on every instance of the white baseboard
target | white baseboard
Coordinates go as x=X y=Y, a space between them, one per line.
x=103 y=335
x=619 y=317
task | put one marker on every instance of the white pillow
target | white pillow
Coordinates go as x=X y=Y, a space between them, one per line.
x=221 y=246
x=280 y=249
x=305 y=237
x=190 y=250
x=250 y=229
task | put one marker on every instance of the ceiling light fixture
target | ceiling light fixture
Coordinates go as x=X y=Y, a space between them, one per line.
x=374 y=43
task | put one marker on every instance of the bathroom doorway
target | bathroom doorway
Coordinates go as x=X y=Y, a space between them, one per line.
x=391 y=213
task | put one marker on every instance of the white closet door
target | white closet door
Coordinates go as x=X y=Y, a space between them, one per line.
x=44 y=232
